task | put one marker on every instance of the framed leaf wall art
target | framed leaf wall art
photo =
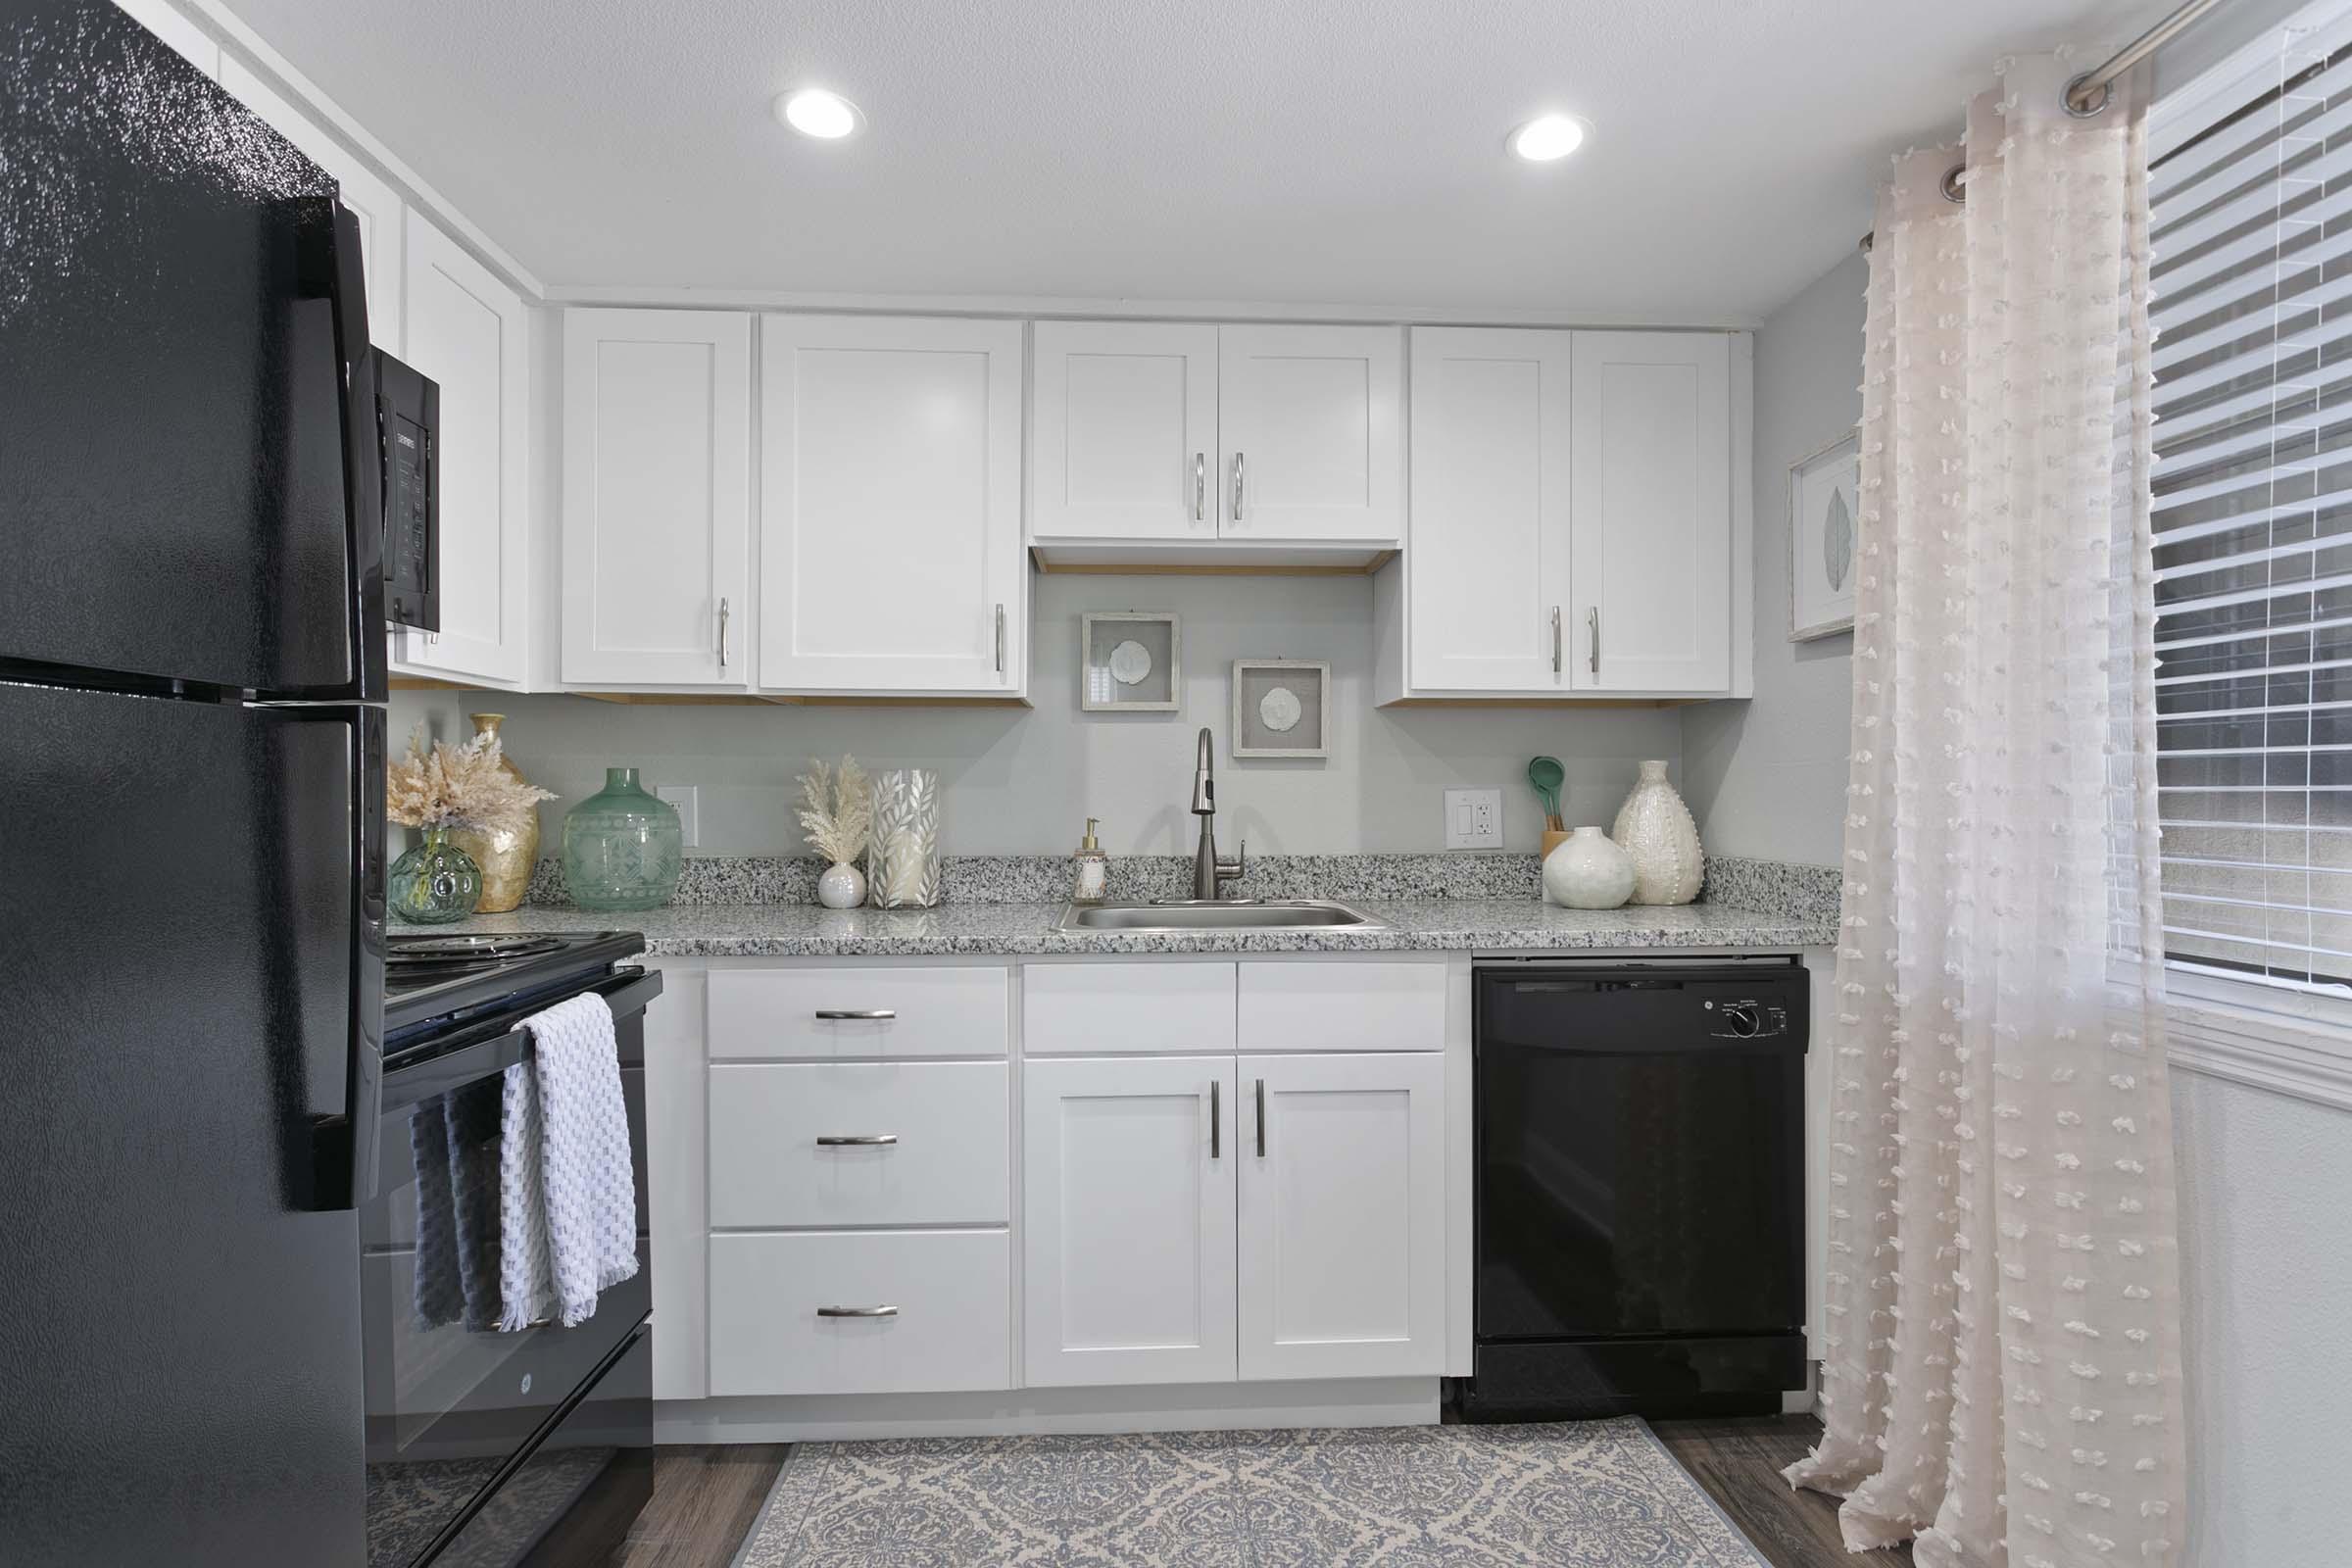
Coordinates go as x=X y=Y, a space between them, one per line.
x=1823 y=550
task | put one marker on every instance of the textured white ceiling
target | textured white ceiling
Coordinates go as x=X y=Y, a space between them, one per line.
x=1343 y=152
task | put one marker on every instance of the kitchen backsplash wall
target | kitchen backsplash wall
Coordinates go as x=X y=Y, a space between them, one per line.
x=1023 y=782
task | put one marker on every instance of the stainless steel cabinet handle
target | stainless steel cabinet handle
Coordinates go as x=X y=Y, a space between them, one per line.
x=1237 y=461
x=1262 y=1119
x=863 y=1013
x=1199 y=486
x=1593 y=618
x=857 y=1311
x=1555 y=639
x=855 y=1139
x=1000 y=639
x=1213 y=1147
x=722 y=633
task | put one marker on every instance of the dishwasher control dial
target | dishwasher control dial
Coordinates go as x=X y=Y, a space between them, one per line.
x=1739 y=1018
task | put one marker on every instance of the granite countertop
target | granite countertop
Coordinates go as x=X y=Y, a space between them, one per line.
x=1016 y=930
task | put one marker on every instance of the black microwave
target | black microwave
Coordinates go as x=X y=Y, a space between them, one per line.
x=408 y=420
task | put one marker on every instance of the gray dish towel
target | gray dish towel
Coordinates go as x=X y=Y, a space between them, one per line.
x=567 y=1203
x=453 y=1141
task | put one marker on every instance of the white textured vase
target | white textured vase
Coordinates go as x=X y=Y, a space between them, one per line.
x=1654 y=827
x=842 y=887
x=1586 y=871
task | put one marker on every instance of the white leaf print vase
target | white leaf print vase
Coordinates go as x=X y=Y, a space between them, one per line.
x=1654 y=827
x=1586 y=871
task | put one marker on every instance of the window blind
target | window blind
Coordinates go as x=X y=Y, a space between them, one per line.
x=2251 y=230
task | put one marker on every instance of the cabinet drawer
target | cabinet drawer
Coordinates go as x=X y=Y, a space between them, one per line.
x=948 y=1165
x=1102 y=1009
x=953 y=1327
x=920 y=1013
x=1343 y=1006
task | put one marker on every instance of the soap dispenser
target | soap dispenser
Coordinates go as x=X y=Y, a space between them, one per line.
x=1092 y=867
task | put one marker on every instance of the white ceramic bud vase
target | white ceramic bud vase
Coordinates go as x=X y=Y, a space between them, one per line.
x=1654 y=827
x=1586 y=871
x=842 y=887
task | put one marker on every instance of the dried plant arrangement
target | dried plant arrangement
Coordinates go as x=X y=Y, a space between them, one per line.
x=838 y=812
x=457 y=786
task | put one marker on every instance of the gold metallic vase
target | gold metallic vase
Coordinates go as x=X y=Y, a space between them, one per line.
x=506 y=856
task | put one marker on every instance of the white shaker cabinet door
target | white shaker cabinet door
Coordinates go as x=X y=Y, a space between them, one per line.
x=468 y=332
x=890 y=509
x=657 y=498
x=1343 y=1216
x=1128 y=1215
x=373 y=202
x=1311 y=421
x=1489 y=565
x=1123 y=431
x=1652 y=562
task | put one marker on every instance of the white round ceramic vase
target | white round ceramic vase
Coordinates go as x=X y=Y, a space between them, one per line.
x=1586 y=871
x=842 y=887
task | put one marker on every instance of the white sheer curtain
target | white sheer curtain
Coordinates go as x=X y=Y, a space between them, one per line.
x=2002 y=1370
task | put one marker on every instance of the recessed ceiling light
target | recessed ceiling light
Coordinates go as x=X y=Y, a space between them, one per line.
x=1549 y=137
x=815 y=112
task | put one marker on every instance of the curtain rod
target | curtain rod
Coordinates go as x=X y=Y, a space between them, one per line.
x=2087 y=94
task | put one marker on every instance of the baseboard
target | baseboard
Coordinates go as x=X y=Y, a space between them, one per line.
x=1184 y=1407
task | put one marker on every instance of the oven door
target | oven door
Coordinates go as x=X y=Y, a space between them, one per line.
x=452 y=1402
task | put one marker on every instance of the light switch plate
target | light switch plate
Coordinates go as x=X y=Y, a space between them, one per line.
x=1474 y=819
x=687 y=799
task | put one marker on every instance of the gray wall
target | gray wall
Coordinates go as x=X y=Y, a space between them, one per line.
x=1767 y=778
x=1024 y=782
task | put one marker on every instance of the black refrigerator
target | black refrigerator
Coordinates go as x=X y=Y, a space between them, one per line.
x=191 y=769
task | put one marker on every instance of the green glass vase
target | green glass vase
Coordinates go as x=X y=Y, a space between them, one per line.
x=622 y=847
x=434 y=883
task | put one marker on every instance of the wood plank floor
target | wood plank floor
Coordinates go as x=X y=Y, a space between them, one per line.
x=1739 y=1462
x=706 y=1498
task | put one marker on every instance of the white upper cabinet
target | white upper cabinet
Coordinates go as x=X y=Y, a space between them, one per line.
x=469 y=332
x=372 y=201
x=1489 y=555
x=1654 y=536
x=1343 y=1216
x=1123 y=431
x=190 y=41
x=1128 y=1238
x=1311 y=425
x=890 y=511
x=1576 y=529
x=657 y=498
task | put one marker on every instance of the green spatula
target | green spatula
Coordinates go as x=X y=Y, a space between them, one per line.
x=1546 y=775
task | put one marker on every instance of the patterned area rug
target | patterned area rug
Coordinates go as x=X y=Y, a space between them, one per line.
x=1589 y=1495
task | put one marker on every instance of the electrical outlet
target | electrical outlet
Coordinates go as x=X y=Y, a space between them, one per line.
x=1474 y=819
x=687 y=799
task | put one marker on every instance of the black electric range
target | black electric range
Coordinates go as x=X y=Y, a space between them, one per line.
x=493 y=1448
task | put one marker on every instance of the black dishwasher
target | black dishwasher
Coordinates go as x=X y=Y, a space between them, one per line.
x=1641 y=1189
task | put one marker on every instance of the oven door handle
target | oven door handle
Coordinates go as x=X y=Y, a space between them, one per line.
x=627 y=991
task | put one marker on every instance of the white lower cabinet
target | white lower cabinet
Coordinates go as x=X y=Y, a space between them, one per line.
x=861 y=1312
x=879 y=1143
x=1343 y=1216
x=1127 y=1252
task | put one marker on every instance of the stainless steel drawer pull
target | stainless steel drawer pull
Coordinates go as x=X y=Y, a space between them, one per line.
x=1199 y=486
x=855 y=1139
x=857 y=1311
x=1239 y=460
x=1214 y=1147
x=1593 y=617
x=1555 y=639
x=722 y=633
x=1000 y=639
x=865 y=1014
x=1262 y=1119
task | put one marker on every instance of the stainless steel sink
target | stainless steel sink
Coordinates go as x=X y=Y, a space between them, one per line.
x=1222 y=914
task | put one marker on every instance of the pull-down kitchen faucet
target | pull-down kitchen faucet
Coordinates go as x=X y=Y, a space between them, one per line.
x=1208 y=869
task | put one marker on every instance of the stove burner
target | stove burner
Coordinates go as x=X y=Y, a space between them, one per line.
x=423 y=951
